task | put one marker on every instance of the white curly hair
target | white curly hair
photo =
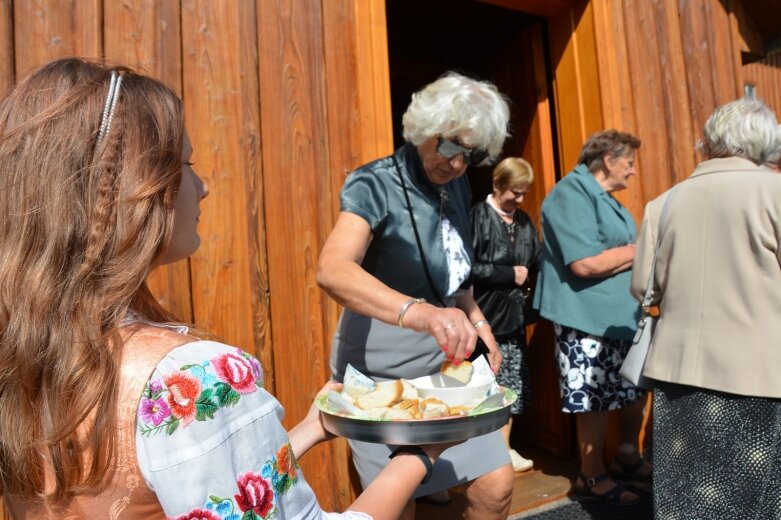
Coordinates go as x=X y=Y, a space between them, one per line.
x=455 y=105
x=744 y=128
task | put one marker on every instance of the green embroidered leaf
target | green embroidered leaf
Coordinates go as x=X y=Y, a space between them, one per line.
x=215 y=499
x=226 y=396
x=205 y=406
x=172 y=426
x=187 y=367
x=249 y=515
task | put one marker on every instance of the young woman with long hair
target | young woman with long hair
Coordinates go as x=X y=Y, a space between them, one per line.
x=107 y=408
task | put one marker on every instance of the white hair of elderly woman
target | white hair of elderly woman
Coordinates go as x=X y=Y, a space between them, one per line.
x=744 y=128
x=455 y=105
x=774 y=158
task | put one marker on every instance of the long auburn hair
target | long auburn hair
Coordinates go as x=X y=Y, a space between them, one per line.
x=82 y=225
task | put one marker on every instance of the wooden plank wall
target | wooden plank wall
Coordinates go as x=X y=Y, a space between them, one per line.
x=278 y=111
x=655 y=69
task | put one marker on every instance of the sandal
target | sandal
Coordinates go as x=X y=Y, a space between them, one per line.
x=628 y=471
x=611 y=496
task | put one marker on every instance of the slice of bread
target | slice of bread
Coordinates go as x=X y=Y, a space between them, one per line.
x=432 y=407
x=385 y=395
x=375 y=413
x=398 y=414
x=461 y=372
x=460 y=410
x=410 y=392
x=411 y=405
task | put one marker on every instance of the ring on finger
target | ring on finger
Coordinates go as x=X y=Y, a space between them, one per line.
x=450 y=326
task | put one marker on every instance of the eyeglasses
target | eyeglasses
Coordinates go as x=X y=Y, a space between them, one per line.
x=449 y=149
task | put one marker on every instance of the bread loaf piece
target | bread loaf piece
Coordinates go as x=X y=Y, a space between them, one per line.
x=411 y=405
x=410 y=392
x=461 y=372
x=432 y=407
x=398 y=414
x=385 y=395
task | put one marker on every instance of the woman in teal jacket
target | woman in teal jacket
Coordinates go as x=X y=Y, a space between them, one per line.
x=583 y=288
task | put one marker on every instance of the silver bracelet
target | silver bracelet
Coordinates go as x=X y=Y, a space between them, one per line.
x=407 y=304
x=480 y=323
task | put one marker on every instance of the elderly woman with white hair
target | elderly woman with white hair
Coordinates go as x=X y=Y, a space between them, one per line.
x=399 y=260
x=714 y=357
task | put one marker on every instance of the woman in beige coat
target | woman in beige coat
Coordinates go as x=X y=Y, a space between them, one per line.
x=715 y=355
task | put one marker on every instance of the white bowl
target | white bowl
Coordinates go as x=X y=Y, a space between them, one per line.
x=451 y=391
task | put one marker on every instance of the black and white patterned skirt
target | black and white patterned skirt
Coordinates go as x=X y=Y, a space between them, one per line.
x=588 y=368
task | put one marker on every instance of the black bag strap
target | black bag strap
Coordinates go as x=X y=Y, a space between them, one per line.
x=417 y=235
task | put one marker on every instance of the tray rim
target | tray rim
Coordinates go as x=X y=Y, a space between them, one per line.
x=415 y=431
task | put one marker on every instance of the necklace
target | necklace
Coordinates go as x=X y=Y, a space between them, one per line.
x=495 y=206
x=510 y=227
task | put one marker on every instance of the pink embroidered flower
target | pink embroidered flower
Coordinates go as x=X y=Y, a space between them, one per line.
x=236 y=371
x=255 y=494
x=153 y=410
x=199 y=514
x=184 y=390
x=286 y=462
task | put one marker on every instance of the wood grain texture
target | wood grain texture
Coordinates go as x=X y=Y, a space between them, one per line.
x=7 y=75
x=146 y=36
x=219 y=71
x=58 y=28
x=360 y=130
x=298 y=195
x=576 y=81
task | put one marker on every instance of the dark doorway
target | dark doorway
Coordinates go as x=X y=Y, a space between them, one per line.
x=429 y=38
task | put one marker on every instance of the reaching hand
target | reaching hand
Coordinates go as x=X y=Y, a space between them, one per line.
x=452 y=329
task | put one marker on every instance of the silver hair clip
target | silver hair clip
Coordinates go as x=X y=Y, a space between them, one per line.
x=111 y=105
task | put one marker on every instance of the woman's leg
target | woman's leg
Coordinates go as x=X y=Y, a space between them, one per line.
x=592 y=428
x=488 y=497
x=630 y=420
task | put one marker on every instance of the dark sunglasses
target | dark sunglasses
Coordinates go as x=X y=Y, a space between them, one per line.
x=449 y=149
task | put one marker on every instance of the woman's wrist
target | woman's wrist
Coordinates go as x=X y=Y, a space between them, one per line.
x=481 y=323
x=418 y=452
x=405 y=307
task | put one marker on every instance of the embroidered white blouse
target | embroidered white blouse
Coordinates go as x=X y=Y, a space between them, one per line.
x=210 y=441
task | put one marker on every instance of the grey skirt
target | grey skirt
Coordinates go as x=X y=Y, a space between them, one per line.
x=716 y=455
x=383 y=352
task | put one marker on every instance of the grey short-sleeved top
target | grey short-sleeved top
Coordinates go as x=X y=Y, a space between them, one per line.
x=374 y=192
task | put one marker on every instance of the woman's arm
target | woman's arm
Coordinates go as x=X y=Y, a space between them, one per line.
x=388 y=494
x=606 y=263
x=311 y=430
x=467 y=303
x=339 y=273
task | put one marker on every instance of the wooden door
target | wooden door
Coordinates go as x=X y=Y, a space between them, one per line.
x=520 y=72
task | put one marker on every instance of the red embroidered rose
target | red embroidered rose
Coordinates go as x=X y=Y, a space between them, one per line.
x=286 y=462
x=198 y=514
x=236 y=371
x=184 y=390
x=255 y=494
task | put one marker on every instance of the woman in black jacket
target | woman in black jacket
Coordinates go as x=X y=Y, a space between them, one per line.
x=506 y=255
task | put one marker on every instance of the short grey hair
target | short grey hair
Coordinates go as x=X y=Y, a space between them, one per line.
x=774 y=158
x=744 y=128
x=457 y=105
